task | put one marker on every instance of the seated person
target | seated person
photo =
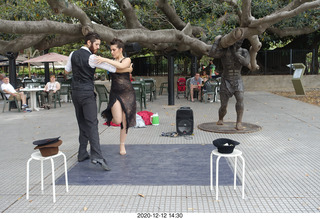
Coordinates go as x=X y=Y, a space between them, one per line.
x=49 y=90
x=207 y=87
x=11 y=92
x=195 y=83
x=204 y=75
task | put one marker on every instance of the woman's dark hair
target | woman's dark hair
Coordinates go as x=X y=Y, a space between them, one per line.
x=92 y=37
x=118 y=42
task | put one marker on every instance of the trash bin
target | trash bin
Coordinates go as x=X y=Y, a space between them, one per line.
x=297 y=76
x=225 y=145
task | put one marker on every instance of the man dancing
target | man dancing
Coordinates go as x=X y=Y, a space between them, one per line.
x=233 y=59
x=82 y=63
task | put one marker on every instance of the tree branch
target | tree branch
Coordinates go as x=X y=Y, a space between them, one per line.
x=246 y=16
x=39 y=27
x=254 y=49
x=173 y=39
x=171 y=14
x=130 y=15
x=57 y=41
x=265 y=22
x=232 y=37
x=20 y=43
x=72 y=10
x=291 y=31
x=294 y=4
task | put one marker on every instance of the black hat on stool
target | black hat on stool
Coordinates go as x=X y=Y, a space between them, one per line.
x=48 y=147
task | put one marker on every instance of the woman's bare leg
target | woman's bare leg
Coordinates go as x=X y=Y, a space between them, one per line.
x=118 y=117
x=123 y=134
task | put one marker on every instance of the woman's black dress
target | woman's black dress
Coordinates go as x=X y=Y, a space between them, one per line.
x=122 y=90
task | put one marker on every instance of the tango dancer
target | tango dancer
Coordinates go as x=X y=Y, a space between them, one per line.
x=82 y=63
x=122 y=104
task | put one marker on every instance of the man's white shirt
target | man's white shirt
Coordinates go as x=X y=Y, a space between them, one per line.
x=9 y=88
x=92 y=63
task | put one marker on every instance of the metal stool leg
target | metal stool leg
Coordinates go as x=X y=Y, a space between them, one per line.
x=243 y=175
x=65 y=172
x=41 y=176
x=211 y=174
x=217 y=177
x=235 y=173
x=53 y=183
x=27 y=196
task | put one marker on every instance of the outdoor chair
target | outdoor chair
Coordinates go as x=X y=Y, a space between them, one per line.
x=144 y=93
x=154 y=87
x=162 y=86
x=138 y=88
x=188 y=88
x=102 y=93
x=3 y=96
x=211 y=88
x=57 y=98
x=65 y=89
x=6 y=100
x=149 y=83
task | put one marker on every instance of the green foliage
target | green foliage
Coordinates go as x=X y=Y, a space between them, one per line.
x=204 y=13
x=26 y=10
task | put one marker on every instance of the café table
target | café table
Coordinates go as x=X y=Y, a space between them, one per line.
x=33 y=97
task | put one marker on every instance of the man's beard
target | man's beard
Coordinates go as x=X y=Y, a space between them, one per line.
x=93 y=51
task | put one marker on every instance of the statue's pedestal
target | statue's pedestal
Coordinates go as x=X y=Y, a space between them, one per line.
x=228 y=128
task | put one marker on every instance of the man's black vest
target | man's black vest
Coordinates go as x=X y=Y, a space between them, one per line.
x=83 y=74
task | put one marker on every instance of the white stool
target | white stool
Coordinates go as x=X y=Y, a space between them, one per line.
x=236 y=153
x=38 y=156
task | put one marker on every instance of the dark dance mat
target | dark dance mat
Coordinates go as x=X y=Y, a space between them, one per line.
x=174 y=164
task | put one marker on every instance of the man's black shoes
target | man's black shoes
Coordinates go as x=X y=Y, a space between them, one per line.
x=83 y=159
x=102 y=163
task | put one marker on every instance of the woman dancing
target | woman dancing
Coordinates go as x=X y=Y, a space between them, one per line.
x=122 y=104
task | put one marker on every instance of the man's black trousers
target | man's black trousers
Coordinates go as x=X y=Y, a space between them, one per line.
x=86 y=113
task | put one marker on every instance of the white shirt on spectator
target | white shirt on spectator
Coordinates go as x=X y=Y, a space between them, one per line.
x=52 y=86
x=9 y=88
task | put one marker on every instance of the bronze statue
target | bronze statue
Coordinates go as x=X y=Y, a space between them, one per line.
x=233 y=59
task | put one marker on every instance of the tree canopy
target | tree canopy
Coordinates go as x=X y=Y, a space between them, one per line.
x=159 y=25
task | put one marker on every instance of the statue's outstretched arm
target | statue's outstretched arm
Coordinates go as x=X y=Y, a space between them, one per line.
x=216 y=50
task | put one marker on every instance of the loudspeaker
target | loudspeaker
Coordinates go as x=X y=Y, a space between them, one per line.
x=184 y=121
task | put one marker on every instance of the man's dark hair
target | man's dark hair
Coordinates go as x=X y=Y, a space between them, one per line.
x=92 y=37
x=117 y=42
